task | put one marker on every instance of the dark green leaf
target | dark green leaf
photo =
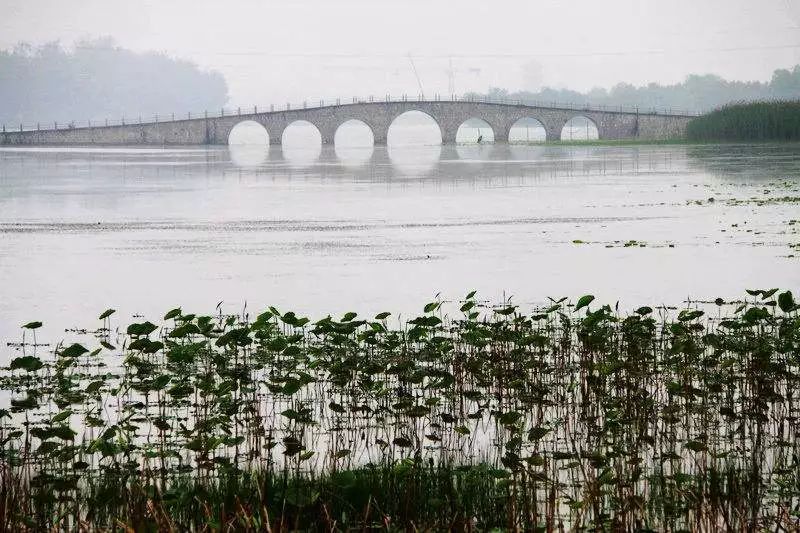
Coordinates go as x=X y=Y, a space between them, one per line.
x=75 y=350
x=28 y=363
x=583 y=301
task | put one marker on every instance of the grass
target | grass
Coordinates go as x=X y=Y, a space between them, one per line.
x=653 y=142
x=561 y=417
x=757 y=121
x=618 y=142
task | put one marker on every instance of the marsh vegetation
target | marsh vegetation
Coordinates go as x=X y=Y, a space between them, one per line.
x=758 y=121
x=469 y=416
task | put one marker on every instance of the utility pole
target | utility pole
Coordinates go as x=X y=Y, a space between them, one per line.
x=451 y=79
x=414 y=68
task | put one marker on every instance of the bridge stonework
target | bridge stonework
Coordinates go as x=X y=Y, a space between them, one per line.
x=449 y=115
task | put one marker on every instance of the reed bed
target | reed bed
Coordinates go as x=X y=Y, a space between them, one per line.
x=569 y=416
x=757 y=121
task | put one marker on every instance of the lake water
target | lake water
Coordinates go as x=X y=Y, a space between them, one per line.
x=386 y=229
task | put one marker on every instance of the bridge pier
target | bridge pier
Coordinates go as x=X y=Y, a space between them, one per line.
x=449 y=135
x=553 y=132
x=380 y=130
x=327 y=133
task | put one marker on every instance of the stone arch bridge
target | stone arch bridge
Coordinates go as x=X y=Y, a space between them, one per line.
x=378 y=115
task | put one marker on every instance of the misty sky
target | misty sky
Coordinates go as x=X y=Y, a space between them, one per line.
x=274 y=51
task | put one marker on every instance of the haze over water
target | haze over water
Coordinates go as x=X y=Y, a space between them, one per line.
x=366 y=229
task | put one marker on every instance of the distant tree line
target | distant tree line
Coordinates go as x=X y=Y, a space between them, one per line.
x=755 y=121
x=97 y=80
x=697 y=93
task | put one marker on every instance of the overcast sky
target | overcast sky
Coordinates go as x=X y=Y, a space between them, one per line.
x=273 y=51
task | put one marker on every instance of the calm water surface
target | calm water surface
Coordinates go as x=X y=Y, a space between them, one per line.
x=333 y=230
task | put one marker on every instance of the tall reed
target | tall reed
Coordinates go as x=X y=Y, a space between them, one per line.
x=756 y=121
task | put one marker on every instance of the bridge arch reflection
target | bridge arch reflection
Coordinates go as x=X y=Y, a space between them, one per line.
x=354 y=142
x=301 y=143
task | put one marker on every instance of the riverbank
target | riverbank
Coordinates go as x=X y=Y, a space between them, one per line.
x=619 y=142
x=657 y=142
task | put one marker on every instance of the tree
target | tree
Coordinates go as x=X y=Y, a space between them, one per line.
x=97 y=80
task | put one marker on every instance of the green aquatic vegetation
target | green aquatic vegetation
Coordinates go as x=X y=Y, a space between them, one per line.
x=628 y=244
x=769 y=200
x=469 y=416
x=615 y=142
x=634 y=243
x=756 y=121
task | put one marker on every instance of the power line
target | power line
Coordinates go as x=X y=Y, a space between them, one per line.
x=791 y=14
x=351 y=55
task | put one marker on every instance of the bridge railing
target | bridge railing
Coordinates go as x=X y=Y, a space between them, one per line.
x=338 y=101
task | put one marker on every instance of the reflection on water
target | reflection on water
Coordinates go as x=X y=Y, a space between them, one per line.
x=249 y=155
x=301 y=156
x=146 y=230
x=354 y=155
x=301 y=144
x=474 y=151
x=414 y=160
x=745 y=162
x=525 y=152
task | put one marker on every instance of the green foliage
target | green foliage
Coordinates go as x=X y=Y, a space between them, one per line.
x=505 y=418
x=583 y=301
x=28 y=363
x=73 y=350
x=757 y=121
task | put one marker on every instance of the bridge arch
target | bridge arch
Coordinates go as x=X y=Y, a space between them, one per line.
x=301 y=133
x=414 y=128
x=354 y=133
x=248 y=132
x=474 y=130
x=301 y=143
x=580 y=128
x=527 y=130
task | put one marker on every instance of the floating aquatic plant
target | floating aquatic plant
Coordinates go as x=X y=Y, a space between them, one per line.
x=564 y=416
